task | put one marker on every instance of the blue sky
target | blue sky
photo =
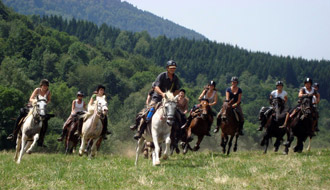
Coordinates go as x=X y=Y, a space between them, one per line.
x=299 y=28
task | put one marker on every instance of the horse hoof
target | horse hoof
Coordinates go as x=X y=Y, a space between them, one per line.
x=28 y=152
x=235 y=149
x=196 y=148
x=157 y=163
x=285 y=153
x=165 y=157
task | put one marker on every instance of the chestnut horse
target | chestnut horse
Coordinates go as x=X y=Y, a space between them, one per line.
x=200 y=125
x=229 y=126
x=301 y=126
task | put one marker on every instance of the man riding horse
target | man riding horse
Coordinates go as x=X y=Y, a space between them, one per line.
x=166 y=81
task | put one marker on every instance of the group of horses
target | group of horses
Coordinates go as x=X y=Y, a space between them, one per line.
x=90 y=133
x=163 y=128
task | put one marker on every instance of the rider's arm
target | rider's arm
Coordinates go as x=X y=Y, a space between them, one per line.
x=285 y=99
x=33 y=95
x=148 y=99
x=301 y=93
x=91 y=101
x=215 y=99
x=202 y=94
x=317 y=95
x=85 y=106
x=159 y=91
x=227 y=96
x=49 y=97
x=73 y=106
x=238 y=100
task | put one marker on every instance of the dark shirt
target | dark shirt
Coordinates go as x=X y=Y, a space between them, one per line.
x=165 y=84
x=232 y=95
x=151 y=92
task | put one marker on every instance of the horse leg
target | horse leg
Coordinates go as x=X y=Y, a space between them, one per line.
x=94 y=148
x=298 y=147
x=266 y=143
x=24 y=137
x=138 y=149
x=82 y=146
x=18 y=147
x=277 y=144
x=223 y=143
x=35 y=139
x=287 y=144
x=185 y=150
x=167 y=147
x=199 y=140
x=235 y=145
x=156 y=160
x=309 y=144
x=230 y=143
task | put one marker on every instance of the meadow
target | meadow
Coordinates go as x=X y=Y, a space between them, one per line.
x=195 y=170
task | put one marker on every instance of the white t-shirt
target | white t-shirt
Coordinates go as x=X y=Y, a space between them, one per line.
x=275 y=94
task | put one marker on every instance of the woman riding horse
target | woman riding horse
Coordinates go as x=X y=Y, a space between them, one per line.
x=278 y=93
x=210 y=94
x=41 y=92
x=77 y=106
x=235 y=93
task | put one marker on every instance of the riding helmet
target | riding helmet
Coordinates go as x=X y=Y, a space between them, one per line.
x=212 y=83
x=279 y=83
x=316 y=85
x=44 y=82
x=309 y=80
x=234 y=79
x=79 y=93
x=171 y=64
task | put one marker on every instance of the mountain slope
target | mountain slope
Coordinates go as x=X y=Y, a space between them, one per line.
x=112 y=12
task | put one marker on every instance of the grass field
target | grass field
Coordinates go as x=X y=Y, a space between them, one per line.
x=196 y=170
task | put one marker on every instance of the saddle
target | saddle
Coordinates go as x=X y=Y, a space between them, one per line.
x=236 y=114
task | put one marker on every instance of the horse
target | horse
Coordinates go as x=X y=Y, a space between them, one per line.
x=272 y=123
x=71 y=137
x=229 y=124
x=301 y=126
x=30 y=131
x=92 y=127
x=200 y=126
x=160 y=131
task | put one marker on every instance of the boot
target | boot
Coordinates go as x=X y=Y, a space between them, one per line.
x=216 y=129
x=140 y=130
x=240 y=131
x=11 y=137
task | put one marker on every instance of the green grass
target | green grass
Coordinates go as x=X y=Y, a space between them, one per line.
x=196 y=170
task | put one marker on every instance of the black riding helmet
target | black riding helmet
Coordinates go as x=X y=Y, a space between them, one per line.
x=278 y=83
x=79 y=93
x=234 y=79
x=316 y=85
x=171 y=63
x=309 y=80
x=212 y=83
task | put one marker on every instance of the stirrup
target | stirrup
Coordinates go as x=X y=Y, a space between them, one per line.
x=216 y=130
x=10 y=137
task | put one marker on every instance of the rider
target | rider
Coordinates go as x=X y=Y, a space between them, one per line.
x=305 y=91
x=98 y=94
x=316 y=86
x=209 y=93
x=42 y=92
x=78 y=106
x=166 y=81
x=278 y=93
x=235 y=93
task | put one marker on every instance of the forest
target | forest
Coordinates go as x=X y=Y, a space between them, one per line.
x=117 y=13
x=79 y=55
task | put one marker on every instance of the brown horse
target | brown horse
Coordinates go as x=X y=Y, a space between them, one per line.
x=71 y=138
x=301 y=126
x=200 y=125
x=229 y=126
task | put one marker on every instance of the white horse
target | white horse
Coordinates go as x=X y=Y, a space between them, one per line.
x=161 y=125
x=30 y=129
x=92 y=127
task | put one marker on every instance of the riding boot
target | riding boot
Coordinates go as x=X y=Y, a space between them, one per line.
x=43 y=133
x=216 y=129
x=189 y=119
x=240 y=130
x=140 y=130
x=105 y=131
x=18 y=124
x=64 y=131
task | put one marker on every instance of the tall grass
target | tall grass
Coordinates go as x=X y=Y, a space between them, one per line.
x=195 y=170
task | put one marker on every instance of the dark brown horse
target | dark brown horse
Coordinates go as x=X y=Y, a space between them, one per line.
x=71 y=137
x=276 y=119
x=229 y=126
x=301 y=126
x=200 y=125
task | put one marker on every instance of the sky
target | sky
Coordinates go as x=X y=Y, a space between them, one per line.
x=297 y=28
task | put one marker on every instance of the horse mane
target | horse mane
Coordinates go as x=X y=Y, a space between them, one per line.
x=170 y=96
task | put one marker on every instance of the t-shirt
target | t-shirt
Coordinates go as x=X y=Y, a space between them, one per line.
x=165 y=84
x=234 y=96
x=276 y=94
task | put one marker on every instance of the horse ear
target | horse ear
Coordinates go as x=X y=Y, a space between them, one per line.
x=176 y=97
x=166 y=96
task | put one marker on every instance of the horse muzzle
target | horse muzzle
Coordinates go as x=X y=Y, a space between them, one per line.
x=204 y=116
x=170 y=120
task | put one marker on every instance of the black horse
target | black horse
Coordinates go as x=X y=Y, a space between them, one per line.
x=272 y=121
x=301 y=125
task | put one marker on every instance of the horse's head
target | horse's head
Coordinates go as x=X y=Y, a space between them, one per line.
x=205 y=107
x=226 y=109
x=306 y=106
x=169 y=105
x=102 y=107
x=278 y=105
x=41 y=108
